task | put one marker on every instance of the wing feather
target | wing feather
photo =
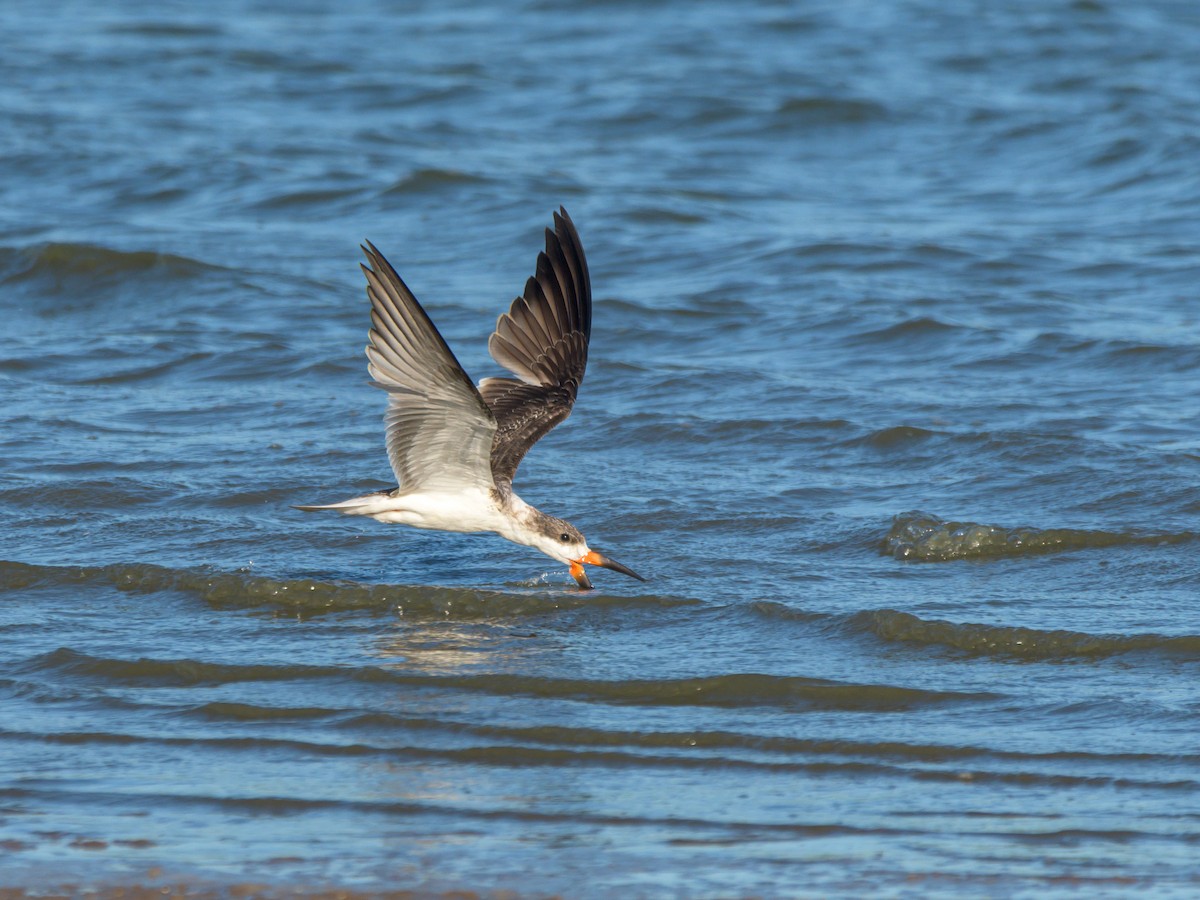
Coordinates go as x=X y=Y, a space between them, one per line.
x=439 y=430
x=543 y=340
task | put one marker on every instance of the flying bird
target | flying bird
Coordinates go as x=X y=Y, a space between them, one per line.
x=455 y=447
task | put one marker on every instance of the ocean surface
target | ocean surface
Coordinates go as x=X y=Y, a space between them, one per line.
x=894 y=396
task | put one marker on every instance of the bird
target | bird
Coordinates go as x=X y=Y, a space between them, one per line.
x=455 y=446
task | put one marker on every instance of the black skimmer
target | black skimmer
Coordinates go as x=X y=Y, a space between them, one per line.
x=455 y=447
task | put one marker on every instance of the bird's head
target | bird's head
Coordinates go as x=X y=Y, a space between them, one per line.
x=563 y=541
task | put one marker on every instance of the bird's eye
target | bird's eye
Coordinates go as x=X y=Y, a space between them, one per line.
x=565 y=538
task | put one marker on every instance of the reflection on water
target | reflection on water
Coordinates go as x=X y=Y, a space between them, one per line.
x=448 y=648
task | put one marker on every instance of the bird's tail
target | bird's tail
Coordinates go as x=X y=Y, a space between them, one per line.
x=354 y=506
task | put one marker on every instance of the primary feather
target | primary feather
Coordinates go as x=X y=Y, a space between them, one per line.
x=543 y=340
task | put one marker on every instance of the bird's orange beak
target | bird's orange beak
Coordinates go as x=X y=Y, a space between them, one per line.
x=593 y=558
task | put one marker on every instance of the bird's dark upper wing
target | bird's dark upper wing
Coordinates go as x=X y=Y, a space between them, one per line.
x=439 y=430
x=543 y=340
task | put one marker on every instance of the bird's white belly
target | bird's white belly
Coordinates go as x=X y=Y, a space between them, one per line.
x=459 y=511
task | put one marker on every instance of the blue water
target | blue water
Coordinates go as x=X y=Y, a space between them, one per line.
x=892 y=394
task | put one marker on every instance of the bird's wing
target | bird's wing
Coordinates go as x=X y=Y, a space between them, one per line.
x=439 y=430
x=543 y=340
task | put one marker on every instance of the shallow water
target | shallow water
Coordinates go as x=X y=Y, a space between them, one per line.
x=892 y=395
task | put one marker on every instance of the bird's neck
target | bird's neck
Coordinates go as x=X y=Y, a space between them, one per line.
x=523 y=518
x=518 y=508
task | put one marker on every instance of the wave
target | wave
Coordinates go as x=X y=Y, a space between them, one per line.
x=312 y=197
x=918 y=328
x=115 y=492
x=813 y=110
x=59 y=262
x=66 y=279
x=423 y=181
x=983 y=639
x=165 y=29
x=896 y=437
x=305 y=596
x=522 y=812
x=525 y=756
x=1026 y=643
x=921 y=537
x=740 y=690
x=715 y=742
